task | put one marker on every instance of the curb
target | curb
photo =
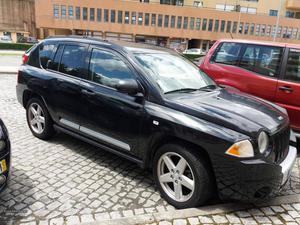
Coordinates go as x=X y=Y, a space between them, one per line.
x=194 y=212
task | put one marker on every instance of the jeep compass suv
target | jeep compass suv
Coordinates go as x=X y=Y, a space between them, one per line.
x=155 y=108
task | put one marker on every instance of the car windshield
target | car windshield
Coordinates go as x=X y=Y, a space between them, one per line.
x=173 y=73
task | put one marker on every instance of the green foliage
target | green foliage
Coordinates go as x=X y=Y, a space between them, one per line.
x=15 y=46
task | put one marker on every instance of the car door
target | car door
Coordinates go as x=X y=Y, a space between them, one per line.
x=67 y=70
x=111 y=117
x=288 y=89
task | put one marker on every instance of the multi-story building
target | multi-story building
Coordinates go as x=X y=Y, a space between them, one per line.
x=17 y=18
x=175 y=23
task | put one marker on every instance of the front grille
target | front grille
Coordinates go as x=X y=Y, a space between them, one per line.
x=281 y=144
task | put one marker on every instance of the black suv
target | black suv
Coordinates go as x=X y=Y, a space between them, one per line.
x=5 y=156
x=154 y=107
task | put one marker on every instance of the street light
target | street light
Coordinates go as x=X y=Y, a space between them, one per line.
x=277 y=20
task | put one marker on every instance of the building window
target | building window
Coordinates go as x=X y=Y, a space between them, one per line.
x=273 y=31
x=179 y=22
x=99 y=15
x=290 y=14
x=166 y=22
x=273 y=12
x=198 y=23
x=71 y=12
x=185 y=22
x=263 y=30
x=217 y=22
x=140 y=19
x=192 y=23
x=133 y=18
x=295 y=32
x=252 y=28
x=241 y=27
x=153 y=19
x=268 y=30
x=84 y=13
x=160 y=18
x=77 y=13
x=246 y=31
x=56 y=11
x=234 y=27
x=172 y=2
x=120 y=16
x=210 y=24
x=126 y=18
x=222 y=7
x=147 y=19
x=63 y=12
x=228 y=27
x=106 y=16
x=92 y=14
x=198 y=4
x=204 y=24
x=279 y=31
x=173 y=21
x=112 y=16
x=248 y=10
x=257 y=31
x=223 y=22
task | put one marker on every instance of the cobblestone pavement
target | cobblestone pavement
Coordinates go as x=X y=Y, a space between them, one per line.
x=68 y=181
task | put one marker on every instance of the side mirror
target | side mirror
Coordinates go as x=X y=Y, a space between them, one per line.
x=129 y=86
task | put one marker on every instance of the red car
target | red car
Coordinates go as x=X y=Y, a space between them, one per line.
x=267 y=70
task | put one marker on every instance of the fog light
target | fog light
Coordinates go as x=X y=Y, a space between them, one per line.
x=263 y=142
x=2 y=145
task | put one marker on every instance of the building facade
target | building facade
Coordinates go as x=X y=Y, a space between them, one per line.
x=174 y=23
x=17 y=18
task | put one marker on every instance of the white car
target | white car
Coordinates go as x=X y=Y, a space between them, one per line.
x=193 y=51
x=5 y=39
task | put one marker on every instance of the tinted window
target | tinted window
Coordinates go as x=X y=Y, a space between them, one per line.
x=46 y=53
x=293 y=66
x=57 y=57
x=107 y=69
x=72 y=60
x=228 y=53
x=264 y=60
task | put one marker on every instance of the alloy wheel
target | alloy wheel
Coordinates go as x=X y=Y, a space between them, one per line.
x=36 y=118
x=176 y=176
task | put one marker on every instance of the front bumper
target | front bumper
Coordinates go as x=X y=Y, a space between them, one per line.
x=252 y=180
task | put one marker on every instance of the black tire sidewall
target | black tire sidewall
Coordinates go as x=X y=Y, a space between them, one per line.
x=202 y=175
x=48 y=131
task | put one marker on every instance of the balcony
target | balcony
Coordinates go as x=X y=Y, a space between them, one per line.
x=293 y=4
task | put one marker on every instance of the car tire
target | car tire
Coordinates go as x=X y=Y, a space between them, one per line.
x=39 y=119
x=196 y=180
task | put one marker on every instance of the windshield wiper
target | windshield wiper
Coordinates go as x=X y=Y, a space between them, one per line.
x=185 y=90
x=208 y=87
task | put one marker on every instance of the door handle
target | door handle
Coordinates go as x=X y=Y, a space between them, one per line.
x=287 y=89
x=87 y=92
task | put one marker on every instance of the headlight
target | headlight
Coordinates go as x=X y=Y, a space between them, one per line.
x=263 y=142
x=241 y=149
x=2 y=145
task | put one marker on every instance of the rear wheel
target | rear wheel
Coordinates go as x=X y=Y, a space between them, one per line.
x=38 y=119
x=182 y=176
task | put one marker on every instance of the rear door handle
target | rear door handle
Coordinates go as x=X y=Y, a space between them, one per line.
x=286 y=89
x=87 y=92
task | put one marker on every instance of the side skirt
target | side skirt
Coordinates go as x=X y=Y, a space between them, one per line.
x=119 y=153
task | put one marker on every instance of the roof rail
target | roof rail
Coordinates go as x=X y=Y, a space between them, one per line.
x=76 y=36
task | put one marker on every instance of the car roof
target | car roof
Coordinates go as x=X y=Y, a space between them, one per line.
x=268 y=43
x=127 y=46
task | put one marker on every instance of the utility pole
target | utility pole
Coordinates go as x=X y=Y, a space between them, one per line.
x=277 y=20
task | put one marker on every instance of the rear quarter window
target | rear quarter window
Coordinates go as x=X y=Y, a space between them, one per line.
x=33 y=57
x=46 y=53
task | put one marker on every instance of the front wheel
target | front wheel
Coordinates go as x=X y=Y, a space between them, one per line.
x=183 y=177
x=38 y=119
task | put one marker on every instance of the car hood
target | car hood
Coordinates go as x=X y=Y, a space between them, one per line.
x=232 y=109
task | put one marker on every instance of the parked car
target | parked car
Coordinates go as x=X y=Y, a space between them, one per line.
x=267 y=70
x=4 y=156
x=5 y=39
x=154 y=107
x=193 y=51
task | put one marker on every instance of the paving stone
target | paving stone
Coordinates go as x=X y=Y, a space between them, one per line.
x=193 y=221
x=180 y=222
x=219 y=219
x=205 y=219
x=72 y=220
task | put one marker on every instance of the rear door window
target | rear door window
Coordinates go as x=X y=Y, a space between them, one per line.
x=264 y=60
x=46 y=53
x=53 y=65
x=72 y=60
x=228 y=53
x=293 y=66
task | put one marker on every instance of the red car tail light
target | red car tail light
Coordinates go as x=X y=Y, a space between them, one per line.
x=25 y=58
